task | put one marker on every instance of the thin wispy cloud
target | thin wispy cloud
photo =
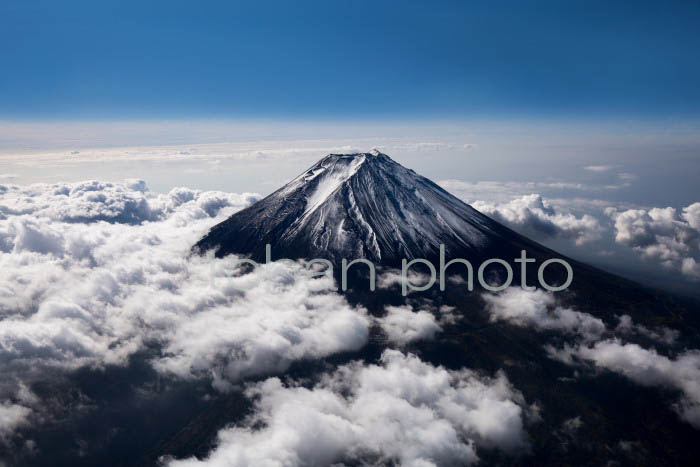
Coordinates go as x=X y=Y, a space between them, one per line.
x=599 y=168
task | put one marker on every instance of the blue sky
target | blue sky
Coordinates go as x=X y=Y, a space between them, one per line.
x=348 y=59
x=594 y=106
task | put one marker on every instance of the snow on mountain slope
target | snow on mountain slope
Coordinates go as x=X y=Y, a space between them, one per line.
x=361 y=205
x=335 y=173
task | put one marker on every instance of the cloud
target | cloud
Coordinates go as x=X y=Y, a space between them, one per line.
x=537 y=309
x=691 y=268
x=214 y=150
x=504 y=191
x=691 y=214
x=627 y=176
x=661 y=234
x=392 y=278
x=422 y=146
x=496 y=191
x=254 y=324
x=94 y=272
x=94 y=201
x=532 y=215
x=15 y=412
x=646 y=367
x=403 y=325
x=401 y=410
x=663 y=334
x=598 y=168
x=12 y=416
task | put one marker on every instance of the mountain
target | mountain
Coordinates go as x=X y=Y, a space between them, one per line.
x=608 y=404
x=363 y=205
x=605 y=372
x=366 y=205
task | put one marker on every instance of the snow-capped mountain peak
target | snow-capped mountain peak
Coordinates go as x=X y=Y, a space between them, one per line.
x=360 y=205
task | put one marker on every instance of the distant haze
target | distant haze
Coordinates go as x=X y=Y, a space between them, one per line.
x=565 y=184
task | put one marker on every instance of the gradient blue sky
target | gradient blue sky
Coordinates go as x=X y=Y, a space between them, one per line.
x=215 y=59
x=590 y=104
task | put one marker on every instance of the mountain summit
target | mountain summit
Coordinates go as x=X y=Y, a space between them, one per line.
x=362 y=205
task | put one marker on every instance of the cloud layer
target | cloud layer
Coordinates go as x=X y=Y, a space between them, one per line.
x=530 y=214
x=94 y=272
x=603 y=347
x=646 y=367
x=538 y=309
x=667 y=236
x=400 y=410
x=403 y=325
x=663 y=235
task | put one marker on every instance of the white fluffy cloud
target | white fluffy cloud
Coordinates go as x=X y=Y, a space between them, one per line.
x=12 y=416
x=538 y=309
x=691 y=268
x=401 y=410
x=646 y=367
x=668 y=235
x=15 y=412
x=534 y=216
x=663 y=235
x=403 y=325
x=691 y=214
x=249 y=325
x=94 y=272
x=130 y=202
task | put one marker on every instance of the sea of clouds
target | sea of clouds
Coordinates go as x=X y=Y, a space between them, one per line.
x=96 y=272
